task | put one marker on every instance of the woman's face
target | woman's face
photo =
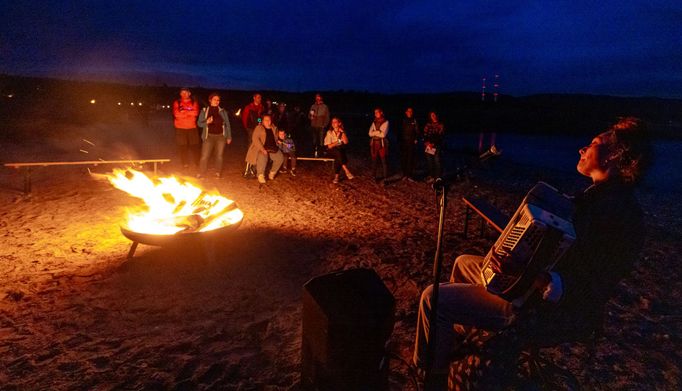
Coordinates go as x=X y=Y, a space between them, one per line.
x=267 y=121
x=335 y=123
x=593 y=161
x=378 y=113
x=434 y=117
x=215 y=101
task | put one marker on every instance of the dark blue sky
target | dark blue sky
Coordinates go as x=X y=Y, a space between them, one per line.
x=611 y=47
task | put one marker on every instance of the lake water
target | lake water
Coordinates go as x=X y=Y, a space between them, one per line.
x=561 y=153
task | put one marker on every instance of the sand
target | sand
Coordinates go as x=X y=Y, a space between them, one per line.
x=75 y=313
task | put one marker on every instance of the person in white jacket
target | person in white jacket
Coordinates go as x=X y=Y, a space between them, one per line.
x=378 y=143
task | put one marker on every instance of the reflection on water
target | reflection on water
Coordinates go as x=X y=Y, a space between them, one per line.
x=561 y=153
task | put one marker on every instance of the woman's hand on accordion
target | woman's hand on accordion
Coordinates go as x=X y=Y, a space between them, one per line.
x=505 y=262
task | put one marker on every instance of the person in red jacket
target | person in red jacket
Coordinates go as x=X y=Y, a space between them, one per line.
x=251 y=116
x=185 y=113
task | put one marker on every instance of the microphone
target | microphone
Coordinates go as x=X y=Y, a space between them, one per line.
x=438 y=185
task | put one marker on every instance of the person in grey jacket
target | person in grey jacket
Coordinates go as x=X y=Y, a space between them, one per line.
x=216 y=133
x=319 y=120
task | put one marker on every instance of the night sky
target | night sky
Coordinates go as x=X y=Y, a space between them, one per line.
x=599 y=47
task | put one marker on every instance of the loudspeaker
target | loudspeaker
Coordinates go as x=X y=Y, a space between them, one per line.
x=348 y=318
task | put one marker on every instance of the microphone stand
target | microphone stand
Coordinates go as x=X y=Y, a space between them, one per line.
x=441 y=189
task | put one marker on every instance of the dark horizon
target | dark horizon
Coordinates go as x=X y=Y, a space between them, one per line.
x=610 y=48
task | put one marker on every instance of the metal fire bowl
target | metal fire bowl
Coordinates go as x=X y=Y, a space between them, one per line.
x=179 y=238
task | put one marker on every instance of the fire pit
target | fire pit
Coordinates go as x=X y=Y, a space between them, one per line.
x=175 y=212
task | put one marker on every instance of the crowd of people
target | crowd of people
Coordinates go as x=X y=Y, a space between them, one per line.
x=269 y=128
x=571 y=297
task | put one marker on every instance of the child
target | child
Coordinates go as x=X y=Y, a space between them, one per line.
x=288 y=148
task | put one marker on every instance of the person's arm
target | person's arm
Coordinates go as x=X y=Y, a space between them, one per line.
x=257 y=140
x=245 y=115
x=195 y=111
x=372 y=131
x=383 y=129
x=227 y=129
x=203 y=117
x=326 y=116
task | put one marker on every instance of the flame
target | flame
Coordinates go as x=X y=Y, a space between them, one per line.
x=172 y=206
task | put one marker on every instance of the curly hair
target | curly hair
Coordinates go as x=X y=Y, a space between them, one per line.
x=629 y=148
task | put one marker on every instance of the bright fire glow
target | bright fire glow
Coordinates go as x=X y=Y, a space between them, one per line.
x=172 y=205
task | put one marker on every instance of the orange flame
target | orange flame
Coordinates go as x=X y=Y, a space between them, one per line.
x=172 y=206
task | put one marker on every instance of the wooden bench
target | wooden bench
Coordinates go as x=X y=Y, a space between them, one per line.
x=490 y=215
x=29 y=166
x=318 y=159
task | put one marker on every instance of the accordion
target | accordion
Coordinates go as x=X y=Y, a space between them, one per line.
x=538 y=234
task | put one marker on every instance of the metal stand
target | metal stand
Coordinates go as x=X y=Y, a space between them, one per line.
x=131 y=252
x=441 y=191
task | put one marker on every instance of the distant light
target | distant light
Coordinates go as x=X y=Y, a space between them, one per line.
x=238 y=112
x=139 y=103
x=92 y=101
x=119 y=103
x=10 y=95
x=132 y=104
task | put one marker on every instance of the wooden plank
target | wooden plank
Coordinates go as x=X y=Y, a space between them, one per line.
x=489 y=213
x=321 y=159
x=85 y=162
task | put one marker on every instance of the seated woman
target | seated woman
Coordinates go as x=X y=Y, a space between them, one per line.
x=610 y=233
x=263 y=148
x=336 y=141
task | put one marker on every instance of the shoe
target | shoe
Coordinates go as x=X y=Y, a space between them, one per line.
x=282 y=170
x=349 y=175
x=261 y=178
x=218 y=175
x=271 y=176
x=292 y=172
x=335 y=181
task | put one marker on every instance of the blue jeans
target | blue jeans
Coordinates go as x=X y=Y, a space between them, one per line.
x=214 y=143
x=463 y=300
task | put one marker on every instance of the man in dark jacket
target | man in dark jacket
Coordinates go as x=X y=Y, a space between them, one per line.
x=408 y=142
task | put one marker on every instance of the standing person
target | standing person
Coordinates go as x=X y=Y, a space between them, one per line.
x=288 y=147
x=433 y=144
x=408 y=143
x=378 y=143
x=336 y=141
x=319 y=119
x=251 y=116
x=185 y=112
x=281 y=117
x=569 y=301
x=264 y=148
x=216 y=133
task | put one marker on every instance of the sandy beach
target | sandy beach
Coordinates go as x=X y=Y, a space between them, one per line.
x=76 y=314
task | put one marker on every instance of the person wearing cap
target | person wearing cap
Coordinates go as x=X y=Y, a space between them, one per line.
x=216 y=133
x=185 y=113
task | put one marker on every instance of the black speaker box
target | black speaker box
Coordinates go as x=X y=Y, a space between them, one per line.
x=348 y=318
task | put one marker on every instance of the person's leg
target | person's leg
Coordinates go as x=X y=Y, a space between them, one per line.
x=277 y=160
x=261 y=163
x=316 y=140
x=467 y=269
x=437 y=167
x=206 y=148
x=181 y=142
x=219 y=150
x=292 y=156
x=383 y=154
x=465 y=304
x=194 y=145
